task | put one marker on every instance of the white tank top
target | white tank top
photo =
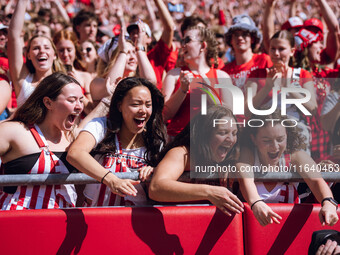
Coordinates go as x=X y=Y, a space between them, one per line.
x=26 y=90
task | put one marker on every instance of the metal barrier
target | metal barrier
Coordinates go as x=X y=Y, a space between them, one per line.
x=81 y=178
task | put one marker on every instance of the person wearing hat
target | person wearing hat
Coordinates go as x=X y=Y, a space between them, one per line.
x=243 y=36
x=159 y=54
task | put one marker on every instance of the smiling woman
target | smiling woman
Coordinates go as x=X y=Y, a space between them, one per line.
x=128 y=140
x=42 y=59
x=199 y=144
x=276 y=148
x=44 y=123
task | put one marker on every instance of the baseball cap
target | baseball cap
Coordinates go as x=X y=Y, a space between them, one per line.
x=243 y=22
x=313 y=22
x=292 y=22
x=304 y=38
x=135 y=26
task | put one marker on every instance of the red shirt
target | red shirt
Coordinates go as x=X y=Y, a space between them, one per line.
x=240 y=73
x=158 y=57
x=188 y=108
x=259 y=76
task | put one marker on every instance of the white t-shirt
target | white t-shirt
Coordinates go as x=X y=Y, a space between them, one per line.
x=123 y=160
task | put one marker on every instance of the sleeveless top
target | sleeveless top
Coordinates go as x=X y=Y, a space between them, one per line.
x=26 y=90
x=41 y=196
x=123 y=160
x=283 y=192
x=191 y=104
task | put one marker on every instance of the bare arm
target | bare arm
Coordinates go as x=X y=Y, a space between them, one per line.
x=79 y=156
x=268 y=23
x=167 y=21
x=173 y=100
x=61 y=10
x=318 y=186
x=262 y=212
x=5 y=94
x=333 y=44
x=17 y=68
x=165 y=187
x=145 y=68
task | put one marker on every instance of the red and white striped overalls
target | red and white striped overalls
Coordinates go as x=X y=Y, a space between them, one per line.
x=41 y=196
x=123 y=160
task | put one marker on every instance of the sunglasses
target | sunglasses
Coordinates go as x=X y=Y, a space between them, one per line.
x=188 y=39
x=88 y=49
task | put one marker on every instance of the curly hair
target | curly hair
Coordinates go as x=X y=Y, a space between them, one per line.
x=155 y=135
x=295 y=141
x=208 y=36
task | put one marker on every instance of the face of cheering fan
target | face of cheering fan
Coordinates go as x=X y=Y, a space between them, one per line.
x=223 y=139
x=271 y=142
x=41 y=53
x=67 y=107
x=136 y=109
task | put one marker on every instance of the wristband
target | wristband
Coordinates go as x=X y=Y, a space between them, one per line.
x=331 y=200
x=106 y=101
x=185 y=92
x=251 y=207
x=105 y=176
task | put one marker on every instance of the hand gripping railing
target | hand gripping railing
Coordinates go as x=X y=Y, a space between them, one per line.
x=80 y=178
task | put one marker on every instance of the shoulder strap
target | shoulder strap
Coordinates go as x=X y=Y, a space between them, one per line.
x=38 y=136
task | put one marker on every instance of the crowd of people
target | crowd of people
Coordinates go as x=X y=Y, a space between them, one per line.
x=103 y=87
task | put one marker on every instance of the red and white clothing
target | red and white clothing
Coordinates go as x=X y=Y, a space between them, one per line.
x=240 y=73
x=40 y=196
x=123 y=160
x=158 y=57
x=192 y=102
x=282 y=192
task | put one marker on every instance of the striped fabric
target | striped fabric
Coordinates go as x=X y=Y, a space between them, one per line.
x=124 y=160
x=41 y=196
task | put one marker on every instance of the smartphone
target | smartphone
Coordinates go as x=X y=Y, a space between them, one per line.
x=175 y=7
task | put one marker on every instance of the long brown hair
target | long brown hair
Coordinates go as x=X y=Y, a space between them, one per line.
x=34 y=110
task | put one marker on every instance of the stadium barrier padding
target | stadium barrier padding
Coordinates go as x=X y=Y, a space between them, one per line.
x=123 y=230
x=157 y=230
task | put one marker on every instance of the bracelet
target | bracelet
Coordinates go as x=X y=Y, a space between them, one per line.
x=106 y=101
x=105 y=176
x=123 y=52
x=185 y=92
x=251 y=207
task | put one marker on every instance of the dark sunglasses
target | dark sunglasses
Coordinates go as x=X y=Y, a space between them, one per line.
x=188 y=39
x=88 y=49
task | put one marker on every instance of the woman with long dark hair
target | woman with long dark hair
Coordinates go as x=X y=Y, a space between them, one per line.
x=128 y=140
x=200 y=145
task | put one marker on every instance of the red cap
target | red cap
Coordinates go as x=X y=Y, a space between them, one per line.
x=292 y=22
x=304 y=38
x=314 y=22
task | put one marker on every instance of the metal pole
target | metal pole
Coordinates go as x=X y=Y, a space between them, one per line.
x=81 y=178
